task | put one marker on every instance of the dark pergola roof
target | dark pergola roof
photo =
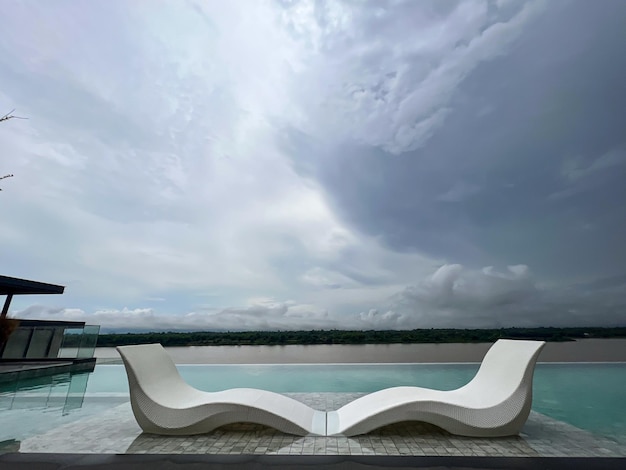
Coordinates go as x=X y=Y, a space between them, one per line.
x=40 y=323
x=15 y=286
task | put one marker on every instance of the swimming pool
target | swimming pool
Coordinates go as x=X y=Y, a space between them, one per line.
x=590 y=396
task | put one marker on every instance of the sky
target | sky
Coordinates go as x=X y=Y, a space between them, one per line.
x=286 y=165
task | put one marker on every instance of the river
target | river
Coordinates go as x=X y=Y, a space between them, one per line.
x=585 y=350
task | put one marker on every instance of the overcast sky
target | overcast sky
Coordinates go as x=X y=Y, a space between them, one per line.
x=298 y=165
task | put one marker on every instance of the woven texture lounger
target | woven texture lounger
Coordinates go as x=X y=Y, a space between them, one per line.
x=495 y=403
x=163 y=403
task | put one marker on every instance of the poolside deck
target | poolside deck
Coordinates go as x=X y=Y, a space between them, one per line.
x=286 y=462
x=115 y=431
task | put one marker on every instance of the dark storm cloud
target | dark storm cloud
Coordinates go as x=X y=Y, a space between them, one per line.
x=491 y=186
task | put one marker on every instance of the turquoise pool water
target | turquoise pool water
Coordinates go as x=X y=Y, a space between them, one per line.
x=590 y=396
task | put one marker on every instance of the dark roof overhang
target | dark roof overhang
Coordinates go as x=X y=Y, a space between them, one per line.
x=16 y=286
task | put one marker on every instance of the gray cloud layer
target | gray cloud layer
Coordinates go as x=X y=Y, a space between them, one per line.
x=317 y=164
x=452 y=297
x=528 y=167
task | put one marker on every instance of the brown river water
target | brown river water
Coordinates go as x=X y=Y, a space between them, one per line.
x=586 y=350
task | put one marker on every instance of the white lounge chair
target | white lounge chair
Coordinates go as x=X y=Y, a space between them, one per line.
x=496 y=402
x=163 y=403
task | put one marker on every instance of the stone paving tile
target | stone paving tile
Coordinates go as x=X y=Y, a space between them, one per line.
x=115 y=431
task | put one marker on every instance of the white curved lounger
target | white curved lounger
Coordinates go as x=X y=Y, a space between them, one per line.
x=163 y=403
x=495 y=403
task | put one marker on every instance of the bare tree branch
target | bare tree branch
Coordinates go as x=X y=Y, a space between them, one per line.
x=6 y=117
x=10 y=115
x=5 y=176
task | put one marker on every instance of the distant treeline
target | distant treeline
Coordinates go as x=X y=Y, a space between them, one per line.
x=234 y=338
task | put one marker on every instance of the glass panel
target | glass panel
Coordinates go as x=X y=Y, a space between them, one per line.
x=88 y=341
x=55 y=344
x=60 y=384
x=34 y=396
x=65 y=391
x=71 y=342
x=7 y=394
x=76 y=392
x=17 y=344
x=39 y=343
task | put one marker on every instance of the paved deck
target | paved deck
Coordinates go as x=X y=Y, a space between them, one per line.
x=115 y=431
x=288 y=462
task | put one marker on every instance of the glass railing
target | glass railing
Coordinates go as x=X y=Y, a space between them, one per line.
x=79 y=343
x=45 y=341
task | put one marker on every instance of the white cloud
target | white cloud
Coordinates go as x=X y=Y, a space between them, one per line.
x=151 y=169
x=321 y=277
x=385 y=75
x=453 y=296
x=277 y=316
x=459 y=297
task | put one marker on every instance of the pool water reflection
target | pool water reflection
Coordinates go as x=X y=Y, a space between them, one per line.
x=589 y=396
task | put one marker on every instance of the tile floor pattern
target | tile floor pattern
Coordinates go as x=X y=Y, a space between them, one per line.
x=115 y=431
